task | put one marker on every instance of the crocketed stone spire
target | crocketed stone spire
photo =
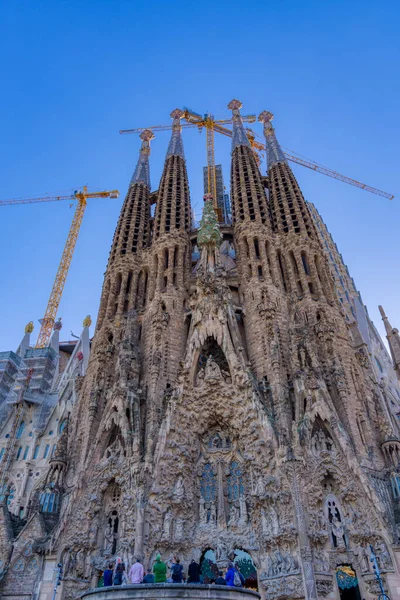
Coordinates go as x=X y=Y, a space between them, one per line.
x=132 y=231
x=273 y=150
x=289 y=212
x=249 y=202
x=142 y=171
x=393 y=338
x=173 y=200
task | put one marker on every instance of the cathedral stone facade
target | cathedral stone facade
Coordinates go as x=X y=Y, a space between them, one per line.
x=229 y=411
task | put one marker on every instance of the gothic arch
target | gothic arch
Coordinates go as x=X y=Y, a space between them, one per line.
x=210 y=362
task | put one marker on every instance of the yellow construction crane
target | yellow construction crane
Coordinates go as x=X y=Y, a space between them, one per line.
x=257 y=147
x=196 y=120
x=55 y=296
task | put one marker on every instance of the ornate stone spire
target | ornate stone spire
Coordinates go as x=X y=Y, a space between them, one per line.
x=393 y=338
x=173 y=201
x=249 y=202
x=132 y=232
x=288 y=210
x=175 y=147
x=239 y=137
x=273 y=150
x=142 y=170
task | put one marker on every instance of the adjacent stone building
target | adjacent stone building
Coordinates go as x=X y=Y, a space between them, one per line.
x=231 y=408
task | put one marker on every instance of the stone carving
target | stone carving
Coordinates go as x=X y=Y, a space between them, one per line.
x=270 y=521
x=284 y=587
x=324 y=586
x=383 y=556
x=178 y=492
x=280 y=563
x=167 y=525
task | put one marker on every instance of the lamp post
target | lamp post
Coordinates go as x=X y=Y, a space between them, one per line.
x=375 y=566
x=59 y=571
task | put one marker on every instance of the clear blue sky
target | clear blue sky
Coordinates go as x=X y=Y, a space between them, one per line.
x=73 y=73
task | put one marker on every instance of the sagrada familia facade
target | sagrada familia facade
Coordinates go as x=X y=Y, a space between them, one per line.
x=230 y=406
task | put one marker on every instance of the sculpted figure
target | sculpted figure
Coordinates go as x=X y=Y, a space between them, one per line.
x=233 y=515
x=212 y=369
x=243 y=510
x=167 y=524
x=108 y=538
x=179 y=528
x=202 y=511
x=259 y=490
x=178 y=493
x=338 y=531
x=384 y=556
x=221 y=551
x=80 y=563
x=266 y=523
x=213 y=514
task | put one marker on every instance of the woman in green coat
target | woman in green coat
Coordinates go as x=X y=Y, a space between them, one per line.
x=159 y=570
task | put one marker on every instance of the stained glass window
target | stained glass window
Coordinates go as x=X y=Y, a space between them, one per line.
x=20 y=429
x=208 y=484
x=235 y=481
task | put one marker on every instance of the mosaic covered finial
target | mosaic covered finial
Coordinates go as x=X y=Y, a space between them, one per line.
x=142 y=171
x=87 y=321
x=58 y=324
x=274 y=152
x=239 y=137
x=29 y=327
x=175 y=147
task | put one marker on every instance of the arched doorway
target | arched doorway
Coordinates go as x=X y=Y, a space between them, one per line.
x=208 y=566
x=209 y=569
x=247 y=568
x=347 y=581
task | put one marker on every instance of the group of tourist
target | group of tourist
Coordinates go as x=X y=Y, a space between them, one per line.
x=137 y=574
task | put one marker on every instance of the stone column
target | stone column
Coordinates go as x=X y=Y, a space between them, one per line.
x=292 y=468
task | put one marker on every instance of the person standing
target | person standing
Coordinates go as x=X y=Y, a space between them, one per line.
x=120 y=577
x=220 y=579
x=136 y=572
x=176 y=572
x=148 y=578
x=233 y=577
x=108 y=576
x=194 y=572
x=159 y=570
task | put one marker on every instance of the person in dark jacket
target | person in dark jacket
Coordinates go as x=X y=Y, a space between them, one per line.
x=176 y=572
x=148 y=578
x=194 y=572
x=120 y=576
x=108 y=576
x=220 y=579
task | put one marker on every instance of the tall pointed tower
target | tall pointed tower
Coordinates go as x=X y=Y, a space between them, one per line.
x=393 y=338
x=227 y=414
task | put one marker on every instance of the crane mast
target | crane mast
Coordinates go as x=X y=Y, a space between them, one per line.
x=58 y=286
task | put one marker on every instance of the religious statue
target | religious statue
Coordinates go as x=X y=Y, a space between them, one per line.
x=167 y=524
x=212 y=370
x=338 y=531
x=178 y=493
x=243 y=510
x=108 y=539
x=202 y=511
x=233 y=515
x=179 y=528
x=213 y=514
x=259 y=489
